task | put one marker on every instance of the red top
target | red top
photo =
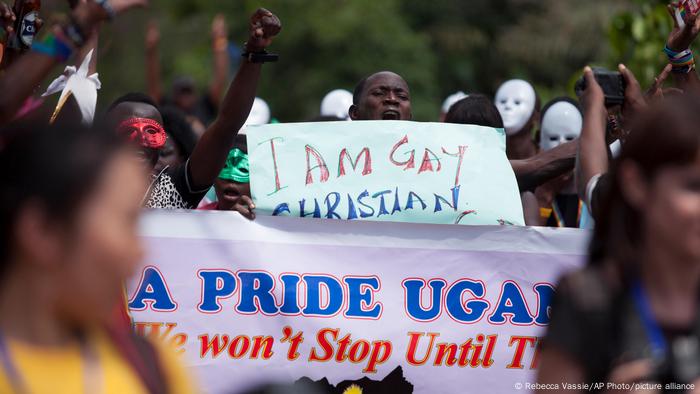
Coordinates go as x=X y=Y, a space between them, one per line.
x=212 y=206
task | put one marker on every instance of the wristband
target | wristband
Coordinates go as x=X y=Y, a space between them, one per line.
x=53 y=46
x=107 y=7
x=682 y=62
x=260 y=57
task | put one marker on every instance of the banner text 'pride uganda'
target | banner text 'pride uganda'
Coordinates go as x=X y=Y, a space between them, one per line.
x=355 y=297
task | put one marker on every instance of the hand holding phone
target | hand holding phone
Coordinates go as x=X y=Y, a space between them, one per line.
x=612 y=83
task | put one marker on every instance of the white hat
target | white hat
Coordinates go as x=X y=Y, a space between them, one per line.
x=452 y=100
x=337 y=103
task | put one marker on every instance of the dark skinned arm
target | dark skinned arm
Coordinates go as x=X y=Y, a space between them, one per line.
x=210 y=153
x=221 y=59
x=679 y=40
x=592 y=158
x=534 y=171
x=24 y=75
x=153 y=81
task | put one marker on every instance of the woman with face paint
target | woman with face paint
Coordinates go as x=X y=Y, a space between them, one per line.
x=560 y=206
x=633 y=314
x=519 y=107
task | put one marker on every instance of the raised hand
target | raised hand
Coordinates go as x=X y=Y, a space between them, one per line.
x=680 y=38
x=218 y=27
x=634 y=97
x=120 y=6
x=7 y=20
x=264 y=25
x=593 y=98
x=152 y=35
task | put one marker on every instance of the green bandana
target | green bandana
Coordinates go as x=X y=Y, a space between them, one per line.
x=236 y=168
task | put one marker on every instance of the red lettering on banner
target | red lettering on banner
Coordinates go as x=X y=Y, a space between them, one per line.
x=154 y=331
x=460 y=159
x=522 y=342
x=325 y=344
x=366 y=168
x=320 y=164
x=216 y=345
x=410 y=163
x=294 y=341
x=342 y=345
x=381 y=351
x=413 y=347
x=446 y=350
x=234 y=350
x=358 y=351
x=264 y=344
x=427 y=164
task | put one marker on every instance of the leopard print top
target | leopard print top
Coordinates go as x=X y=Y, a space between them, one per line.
x=170 y=189
x=164 y=194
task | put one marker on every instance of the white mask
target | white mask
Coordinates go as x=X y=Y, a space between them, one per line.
x=452 y=100
x=259 y=115
x=337 y=103
x=561 y=123
x=515 y=101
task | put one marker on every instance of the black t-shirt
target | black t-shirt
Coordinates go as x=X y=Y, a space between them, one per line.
x=172 y=189
x=597 y=323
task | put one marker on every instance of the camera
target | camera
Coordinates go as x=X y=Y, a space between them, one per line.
x=612 y=83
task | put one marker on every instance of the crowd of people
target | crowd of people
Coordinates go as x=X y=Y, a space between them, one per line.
x=73 y=182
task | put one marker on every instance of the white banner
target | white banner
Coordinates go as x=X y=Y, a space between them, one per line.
x=421 y=308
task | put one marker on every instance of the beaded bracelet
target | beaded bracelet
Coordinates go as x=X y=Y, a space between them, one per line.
x=55 y=47
x=105 y=4
x=682 y=62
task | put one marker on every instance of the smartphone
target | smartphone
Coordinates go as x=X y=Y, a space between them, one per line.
x=612 y=83
x=685 y=9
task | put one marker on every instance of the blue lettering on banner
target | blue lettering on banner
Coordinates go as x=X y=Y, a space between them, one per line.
x=412 y=293
x=152 y=292
x=360 y=297
x=216 y=284
x=470 y=311
x=512 y=304
x=545 y=293
x=256 y=285
x=314 y=301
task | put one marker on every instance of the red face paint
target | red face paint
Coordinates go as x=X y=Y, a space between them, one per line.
x=146 y=132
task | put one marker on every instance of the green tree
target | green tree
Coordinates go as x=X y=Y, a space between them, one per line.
x=637 y=38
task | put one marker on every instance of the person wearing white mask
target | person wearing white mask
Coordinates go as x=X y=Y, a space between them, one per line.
x=518 y=104
x=259 y=115
x=449 y=102
x=560 y=206
x=336 y=104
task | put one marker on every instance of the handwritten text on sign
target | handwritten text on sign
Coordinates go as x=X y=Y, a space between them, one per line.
x=384 y=170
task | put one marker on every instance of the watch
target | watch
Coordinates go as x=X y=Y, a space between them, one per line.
x=260 y=57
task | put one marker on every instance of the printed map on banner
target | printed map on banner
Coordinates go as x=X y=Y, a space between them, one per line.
x=388 y=307
x=384 y=170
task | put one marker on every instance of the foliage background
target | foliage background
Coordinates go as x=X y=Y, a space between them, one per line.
x=439 y=46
